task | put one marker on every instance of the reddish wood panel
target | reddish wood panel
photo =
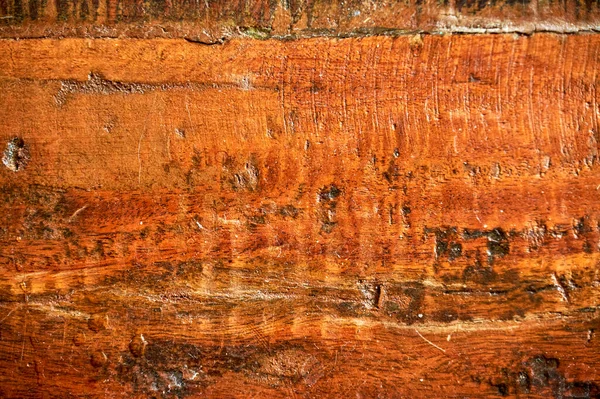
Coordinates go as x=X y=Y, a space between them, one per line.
x=373 y=217
x=212 y=21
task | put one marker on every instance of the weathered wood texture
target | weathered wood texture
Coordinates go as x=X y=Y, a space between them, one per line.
x=377 y=217
x=211 y=21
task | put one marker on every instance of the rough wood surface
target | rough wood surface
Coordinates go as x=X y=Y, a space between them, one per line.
x=211 y=21
x=364 y=217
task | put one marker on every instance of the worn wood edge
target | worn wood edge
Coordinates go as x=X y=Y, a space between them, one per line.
x=288 y=19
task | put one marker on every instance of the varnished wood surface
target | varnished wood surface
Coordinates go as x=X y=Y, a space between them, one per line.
x=364 y=217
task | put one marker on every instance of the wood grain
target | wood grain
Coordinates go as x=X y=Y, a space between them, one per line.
x=412 y=216
x=213 y=21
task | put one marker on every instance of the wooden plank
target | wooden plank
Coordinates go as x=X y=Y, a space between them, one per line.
x=412 y=216
x=214 y=21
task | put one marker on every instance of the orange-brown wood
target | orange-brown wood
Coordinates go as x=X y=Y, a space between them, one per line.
x=364 y=217
x=213 y=21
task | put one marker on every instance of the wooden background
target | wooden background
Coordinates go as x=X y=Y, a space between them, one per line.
x=299 y=199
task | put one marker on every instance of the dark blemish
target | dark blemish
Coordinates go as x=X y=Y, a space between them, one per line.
x=408 y=306
x=479 y=274
x=502 y=389
x=98 y=250
x=327 y=226
x=97 y=323
x=255 y=220
x=196 y=158
x=62 y=9
x=511 y=314
x=144 y=233
x=540 y=376
x=581 y=226
x=326 y=212
x=523 y=382
x=180 y=133
x=247 y=178
x=371 y=293
x=84 y=11
x=161 y=371
x=98 y=359
x=137 y=345
x=441 y=246
x=532 y=290
x=471 y=169
x=471 y=234
x=497 y=245
x=543 y=370
x=446 y=316
x=473 y=79
x=16 y=154
x=445 y=242
x=79 y=339
x=206 y=41
x=329 y=193
x=347 y=309
x=405 y=211
x=455 y=251
x=34 y=9
x=289 y=211
x=377 y=296
x=315 y=88
x=476 y=379
x=18 y=14
x=392 y=173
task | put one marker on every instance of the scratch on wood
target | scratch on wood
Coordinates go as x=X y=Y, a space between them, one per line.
x=429 y=342
x=77 y=212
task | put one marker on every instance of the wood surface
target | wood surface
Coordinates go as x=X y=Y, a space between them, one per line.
x=410 y=216
x=211 y=21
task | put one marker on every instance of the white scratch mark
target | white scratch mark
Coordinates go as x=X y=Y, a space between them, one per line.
x=429 y=342
x=77 y=212
x=199 y=225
